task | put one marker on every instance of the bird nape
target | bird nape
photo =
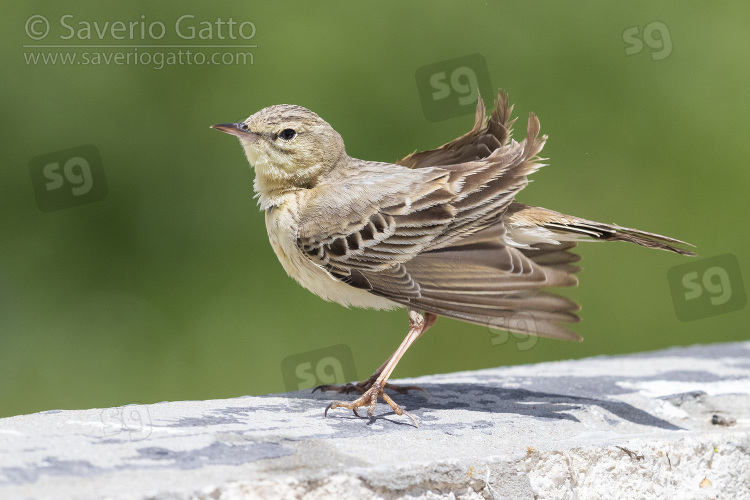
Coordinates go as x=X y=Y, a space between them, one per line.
x=438 y=232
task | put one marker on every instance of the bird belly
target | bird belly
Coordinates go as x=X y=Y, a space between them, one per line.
x=282 y=233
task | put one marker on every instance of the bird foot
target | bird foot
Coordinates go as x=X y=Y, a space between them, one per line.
x=369 y=399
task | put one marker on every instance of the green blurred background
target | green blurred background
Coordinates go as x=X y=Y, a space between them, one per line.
x=167 y=289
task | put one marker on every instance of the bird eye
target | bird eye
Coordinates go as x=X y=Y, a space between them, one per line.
x=288 y=134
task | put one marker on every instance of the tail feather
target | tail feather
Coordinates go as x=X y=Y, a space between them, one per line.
x=525 y=220
x=613 y=232
x=648 y=240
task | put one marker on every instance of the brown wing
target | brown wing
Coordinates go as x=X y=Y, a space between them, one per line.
x=478 y=143
x=431 y=239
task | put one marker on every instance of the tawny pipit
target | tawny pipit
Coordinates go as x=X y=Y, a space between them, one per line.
x=439 y=232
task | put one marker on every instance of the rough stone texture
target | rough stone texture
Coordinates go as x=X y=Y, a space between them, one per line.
x=637 y=426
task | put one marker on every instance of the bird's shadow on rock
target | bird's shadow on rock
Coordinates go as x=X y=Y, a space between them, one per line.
x=557 y=399
x=524 y=402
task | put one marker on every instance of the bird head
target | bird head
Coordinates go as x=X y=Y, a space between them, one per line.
x=289 y=146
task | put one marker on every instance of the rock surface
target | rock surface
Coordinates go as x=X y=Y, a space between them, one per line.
x=667 y=424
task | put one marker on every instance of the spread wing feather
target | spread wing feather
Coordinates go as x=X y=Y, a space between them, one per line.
x=431 y=237
x=478 y=143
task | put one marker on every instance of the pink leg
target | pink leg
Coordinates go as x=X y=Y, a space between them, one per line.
x=418 y=324
x=362 y=387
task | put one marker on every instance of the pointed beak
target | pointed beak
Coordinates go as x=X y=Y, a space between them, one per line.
x=238 y=129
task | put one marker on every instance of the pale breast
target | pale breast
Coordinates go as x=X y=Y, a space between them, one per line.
x=281 y=226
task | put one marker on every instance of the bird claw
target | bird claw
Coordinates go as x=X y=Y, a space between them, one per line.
x=369 y=399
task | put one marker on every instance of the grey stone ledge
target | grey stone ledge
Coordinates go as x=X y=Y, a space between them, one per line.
x=635 y=426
